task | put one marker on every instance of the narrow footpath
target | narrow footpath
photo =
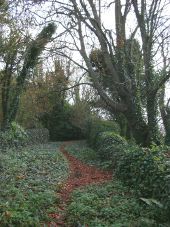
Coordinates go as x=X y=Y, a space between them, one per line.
x=80 y=175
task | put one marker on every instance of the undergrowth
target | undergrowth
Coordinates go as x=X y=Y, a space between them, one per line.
x=86 y=154
x=112 y=204
x=28 y=182
x=107 y=205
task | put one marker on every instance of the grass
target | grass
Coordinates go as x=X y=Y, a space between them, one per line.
x=84 y=153
x=28 y=184
x=107 y=205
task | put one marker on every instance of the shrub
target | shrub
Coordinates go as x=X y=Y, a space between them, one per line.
x=110 y=146
x=59 y=124
x=144 y=169
x=38 y=135
x=141 y=168
x=15 y=136
x=96 y=126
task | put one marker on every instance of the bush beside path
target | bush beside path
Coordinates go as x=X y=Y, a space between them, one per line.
x=80 y=175
x=66 y=185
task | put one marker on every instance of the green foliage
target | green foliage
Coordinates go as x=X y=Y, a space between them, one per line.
x=28 y=182
x=38 y=135
x=37 y=46
x=110 y=146
x=144 y=169
x=59 y=124
x=17 y=131
x=106 y=205
x=15 y=136
x=84 y=153
x=13 y=80
x=147 y=172
x=96 y=126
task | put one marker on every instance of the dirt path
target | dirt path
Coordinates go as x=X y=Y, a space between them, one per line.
x=80 y=175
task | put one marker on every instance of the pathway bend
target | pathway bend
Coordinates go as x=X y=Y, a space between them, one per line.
x=80 y=174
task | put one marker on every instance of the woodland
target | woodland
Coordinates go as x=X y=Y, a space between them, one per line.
x=85 y=113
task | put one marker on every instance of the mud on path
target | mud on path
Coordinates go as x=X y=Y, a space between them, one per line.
x=80 y=175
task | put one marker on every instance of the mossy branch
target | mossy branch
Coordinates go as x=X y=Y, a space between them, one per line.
x=33 y=51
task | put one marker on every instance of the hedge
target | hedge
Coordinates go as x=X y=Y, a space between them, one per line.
x=145 y=170
x=96 y=126
x=38 y=135
x=16 y=137
x=110 y=146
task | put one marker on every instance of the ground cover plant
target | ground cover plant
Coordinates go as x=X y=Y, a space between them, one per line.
x=83 y=152
x=107 y=205
x=156 y=213
x=29 y=180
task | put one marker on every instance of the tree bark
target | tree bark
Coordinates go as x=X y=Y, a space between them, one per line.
x=165 y=114
x=152 y=109
x=6 y=83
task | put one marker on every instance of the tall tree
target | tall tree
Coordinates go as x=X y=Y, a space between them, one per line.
x=130 y=91
x=45 y=89
x=164 y=104
x=20 y=71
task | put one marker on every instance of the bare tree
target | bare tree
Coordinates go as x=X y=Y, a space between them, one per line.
x=121 y=64
x=131 y=90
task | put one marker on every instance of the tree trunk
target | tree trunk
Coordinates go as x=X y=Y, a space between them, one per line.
x=34 y=49
x=5 y=98
x=137 y=127
x=165 y=114
x=152 y=120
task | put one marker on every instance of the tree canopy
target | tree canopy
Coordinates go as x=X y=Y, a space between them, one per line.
x=125 y=64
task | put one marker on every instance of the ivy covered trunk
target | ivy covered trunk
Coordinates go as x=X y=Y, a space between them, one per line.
x=6 y=83
x=10 y=96
x=165 y=114
x=135 y=125
x=167 y=129
x=132 y=123
x=152 y=120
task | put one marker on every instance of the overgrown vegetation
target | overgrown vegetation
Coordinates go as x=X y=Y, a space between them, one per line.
x=95 y=126
x=113 y=94
x=60 y=125
x=84 y=153
x=129 y=201
x=108 y=205
x=29 y=180
x=13 y=137
x=146 y=170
